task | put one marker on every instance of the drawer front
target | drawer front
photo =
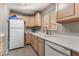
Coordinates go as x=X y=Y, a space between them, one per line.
x=35 y=44
x=61 y=49
x=41 y=48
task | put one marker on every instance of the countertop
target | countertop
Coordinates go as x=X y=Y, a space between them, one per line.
x=67 y=41
x=1 y=36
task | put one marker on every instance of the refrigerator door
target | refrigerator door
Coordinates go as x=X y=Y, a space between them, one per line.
x=16 y=23
x=16 y=38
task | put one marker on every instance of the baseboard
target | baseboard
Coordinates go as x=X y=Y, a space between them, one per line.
x=16 y=48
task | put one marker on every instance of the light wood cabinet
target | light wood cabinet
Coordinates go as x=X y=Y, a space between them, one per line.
x=32 y=42
x=35 y=43
x=41 y=47
x=37 y=21
x=67 y=12
x=38 y=45
x=28 y=38
x=77 y=9
x=29 y=21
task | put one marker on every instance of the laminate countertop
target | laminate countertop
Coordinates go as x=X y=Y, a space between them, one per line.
x=66 y=41
x=1 y=36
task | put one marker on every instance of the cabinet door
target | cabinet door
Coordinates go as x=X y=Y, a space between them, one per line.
x=53 y=18
x=46 y=20
x=65 y=10
x=32 y=41
x=41 y=47
x=37 y=20
x=31 y=21
x=35 y=43
x=28 y=38
x=77 y=9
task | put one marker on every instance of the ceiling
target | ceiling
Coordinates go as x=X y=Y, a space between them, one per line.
x=28 y=8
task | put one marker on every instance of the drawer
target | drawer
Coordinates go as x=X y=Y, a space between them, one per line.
x=59 y=48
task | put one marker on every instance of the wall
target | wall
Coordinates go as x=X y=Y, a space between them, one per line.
x=4 y=14
x=71 y=27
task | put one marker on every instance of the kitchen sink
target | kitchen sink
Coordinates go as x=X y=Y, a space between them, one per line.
x=48 y=36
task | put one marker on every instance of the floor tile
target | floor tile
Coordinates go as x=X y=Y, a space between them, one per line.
x=26 y=51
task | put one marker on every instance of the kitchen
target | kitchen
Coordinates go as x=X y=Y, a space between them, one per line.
x=39 y=29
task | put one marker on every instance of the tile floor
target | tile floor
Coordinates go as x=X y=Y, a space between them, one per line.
x=26 y=51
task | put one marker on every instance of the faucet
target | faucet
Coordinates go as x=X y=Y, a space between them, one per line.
x=47 y=31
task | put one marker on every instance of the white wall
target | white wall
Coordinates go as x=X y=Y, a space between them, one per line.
x=4 y=14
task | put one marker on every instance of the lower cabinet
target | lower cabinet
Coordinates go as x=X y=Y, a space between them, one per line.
x=41 y=47
x=32 y=40
x=28 y=38
x=35 y=43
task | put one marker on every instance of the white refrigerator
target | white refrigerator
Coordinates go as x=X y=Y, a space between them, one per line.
x=16 y=34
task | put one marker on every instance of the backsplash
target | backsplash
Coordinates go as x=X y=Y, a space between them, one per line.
x=68 y=28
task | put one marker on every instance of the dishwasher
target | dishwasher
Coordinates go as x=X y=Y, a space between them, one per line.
x=52 y=49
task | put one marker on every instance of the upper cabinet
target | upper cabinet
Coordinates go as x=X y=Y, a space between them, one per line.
x=29 y=21
x=77 y=9
x=37 y=21
x=32 y=21
x=67 y=12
